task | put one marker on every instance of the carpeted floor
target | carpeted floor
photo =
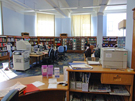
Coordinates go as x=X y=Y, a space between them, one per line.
x=33 y=71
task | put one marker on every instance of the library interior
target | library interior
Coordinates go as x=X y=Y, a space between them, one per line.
x=67 y=50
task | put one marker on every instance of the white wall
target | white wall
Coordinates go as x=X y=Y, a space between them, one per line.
x=62 y=25
x=29 y=24
x=129 y=29
x=93 y=25
x=13 y=22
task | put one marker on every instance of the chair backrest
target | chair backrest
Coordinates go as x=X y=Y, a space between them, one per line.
x=56 y=54
x=65 y=48
x=51 y=54
x=12 y=95
x=60 y=49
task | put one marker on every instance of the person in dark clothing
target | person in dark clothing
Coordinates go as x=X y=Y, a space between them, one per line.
x=89 y=51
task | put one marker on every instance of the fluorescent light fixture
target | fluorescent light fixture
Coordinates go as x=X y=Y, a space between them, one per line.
x=92 y=7
x=46 y=9
x=69 y=8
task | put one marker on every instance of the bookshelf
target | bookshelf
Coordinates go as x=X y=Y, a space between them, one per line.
x=48 y=40
x=101 y=83
x=109 y=41
x=33 y=41
x=121 y=42
x=92 y=41
x=105 y=42
x=70 y=43
x=3 y=48
x=64 y=41
x=57 y=41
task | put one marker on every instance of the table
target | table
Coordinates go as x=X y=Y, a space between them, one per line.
x=44 y=94
x=37 y=57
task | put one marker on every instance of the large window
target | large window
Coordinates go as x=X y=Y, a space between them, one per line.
x=45 y=25
x=0 y=18
x=81 y=25
x=112 y=24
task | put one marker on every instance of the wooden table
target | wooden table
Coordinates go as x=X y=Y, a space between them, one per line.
x=37 y=57
x=44 y=94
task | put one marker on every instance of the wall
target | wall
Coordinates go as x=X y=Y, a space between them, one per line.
x=29 y=24
x=13 y=22
x=129 y=29
x=93 y=25
x=62 y=25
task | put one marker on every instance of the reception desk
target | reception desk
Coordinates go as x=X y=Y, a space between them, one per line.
x=45 y=94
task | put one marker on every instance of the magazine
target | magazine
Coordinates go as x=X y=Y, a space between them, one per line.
x=98 y=87
x=119 y=90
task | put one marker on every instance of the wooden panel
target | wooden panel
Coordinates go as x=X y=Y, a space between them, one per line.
x=117 y=79
x=44 y=96
x=133 y=48
x=134 y=14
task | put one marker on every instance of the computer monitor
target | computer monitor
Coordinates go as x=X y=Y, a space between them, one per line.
x=23 y=45
x=12 y=95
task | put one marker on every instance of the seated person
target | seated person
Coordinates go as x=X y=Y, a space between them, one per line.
x=89 y=51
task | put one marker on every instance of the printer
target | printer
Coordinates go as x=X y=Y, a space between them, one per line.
x=21 y=55
x=114 y=58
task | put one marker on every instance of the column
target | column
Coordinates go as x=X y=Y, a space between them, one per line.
x=129 y=29
x=99 y=28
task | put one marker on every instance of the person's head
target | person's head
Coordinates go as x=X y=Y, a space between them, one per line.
x=91 y=47
x=49 y=46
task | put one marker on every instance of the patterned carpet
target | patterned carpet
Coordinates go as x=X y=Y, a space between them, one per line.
x=33 y=71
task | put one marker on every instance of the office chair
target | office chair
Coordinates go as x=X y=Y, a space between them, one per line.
x=56 y=57
x=50 y=56
x=61 y=52
x=65 y=51
x=12 y=95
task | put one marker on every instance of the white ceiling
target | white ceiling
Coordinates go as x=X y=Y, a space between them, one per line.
x=63 y=7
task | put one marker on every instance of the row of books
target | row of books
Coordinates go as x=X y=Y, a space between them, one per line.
x=3 y=48
x=2 y=44
x=18 y=39
x=33 y=39
x=92 y=39
x=3 y=54
x=10 y=40
x=33 y=43
x=41 y=39
x=90 y=97
x=57 y=41
x=3 y=40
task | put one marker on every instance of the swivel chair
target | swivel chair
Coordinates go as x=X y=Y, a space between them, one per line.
x=12 y=95
x=65 y=51
x=61 y=52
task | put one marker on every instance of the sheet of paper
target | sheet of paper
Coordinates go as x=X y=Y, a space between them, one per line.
x=38 y=83
x=93 y=62
x=52 y=86
x=81 y=66
x=53 y=81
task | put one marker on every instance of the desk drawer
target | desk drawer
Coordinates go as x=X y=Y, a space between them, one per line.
x=116 y=79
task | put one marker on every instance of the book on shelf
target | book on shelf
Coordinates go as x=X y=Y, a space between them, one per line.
x=80 y=66
x=114 y=98
x=98 y=87
x=119 y=90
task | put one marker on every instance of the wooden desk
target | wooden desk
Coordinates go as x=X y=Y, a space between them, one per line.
x=45 y=94
x=38 y=57
x=106 y=76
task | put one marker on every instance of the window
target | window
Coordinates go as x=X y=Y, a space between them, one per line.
x=81 y=25
x=112 y=24
x=45 y=25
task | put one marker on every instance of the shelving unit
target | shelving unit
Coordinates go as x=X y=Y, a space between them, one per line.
x=3 y=49
x=92 y=41
x=109 y=41
x=48 y=40
x=64 y=41
x=57 y=41
x=80 y=83
x=33 y=41
x=70 y=43
x=121 y=42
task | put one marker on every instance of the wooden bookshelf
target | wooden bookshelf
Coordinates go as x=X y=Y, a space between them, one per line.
x=33 y=40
